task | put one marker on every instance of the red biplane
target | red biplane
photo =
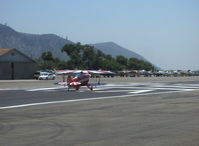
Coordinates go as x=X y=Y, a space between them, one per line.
x=78 y=78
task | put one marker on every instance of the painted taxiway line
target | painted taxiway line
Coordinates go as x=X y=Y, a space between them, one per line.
x=14 y=89
x=140 y=91
x=41 y=89
x=176 y=87
x=90 y=99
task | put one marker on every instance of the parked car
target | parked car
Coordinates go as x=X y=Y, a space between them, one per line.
x=37 y=74
x=46 y=76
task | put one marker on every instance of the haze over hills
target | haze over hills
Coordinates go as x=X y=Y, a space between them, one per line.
x=34 y=44
x=116 y=50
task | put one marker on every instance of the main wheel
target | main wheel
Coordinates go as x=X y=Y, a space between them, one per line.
x=91 y=88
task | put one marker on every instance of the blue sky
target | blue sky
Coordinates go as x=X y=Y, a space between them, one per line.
x=166 y=32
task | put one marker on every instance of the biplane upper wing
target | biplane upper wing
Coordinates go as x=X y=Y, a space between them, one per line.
x=61 y=72
x=96 y=72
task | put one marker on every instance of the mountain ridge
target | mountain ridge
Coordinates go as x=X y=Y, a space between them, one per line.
x=34 y=44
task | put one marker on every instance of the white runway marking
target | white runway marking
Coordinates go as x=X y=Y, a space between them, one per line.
x=41 y=89
x=140 y=91
x=114 y=91
x=6 y=89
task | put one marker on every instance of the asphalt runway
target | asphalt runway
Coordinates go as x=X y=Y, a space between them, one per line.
x=147 y=113
x=12 y=98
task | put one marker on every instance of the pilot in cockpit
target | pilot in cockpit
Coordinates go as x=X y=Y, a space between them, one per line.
x=80 y=75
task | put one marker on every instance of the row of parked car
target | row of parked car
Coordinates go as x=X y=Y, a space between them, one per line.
x=42 y=75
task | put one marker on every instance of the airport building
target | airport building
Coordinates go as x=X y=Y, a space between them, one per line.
x=15 y=65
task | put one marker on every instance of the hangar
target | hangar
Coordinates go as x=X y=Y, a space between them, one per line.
x=15 y=65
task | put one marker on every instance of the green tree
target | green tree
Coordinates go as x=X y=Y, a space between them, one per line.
x=47 y=56
x=123 y=61
x=136 y=64
x=74 y=52
x=47 y=61
x=86 y=57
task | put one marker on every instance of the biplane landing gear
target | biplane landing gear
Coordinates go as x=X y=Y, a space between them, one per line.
x=68 y=87
x=90 y=87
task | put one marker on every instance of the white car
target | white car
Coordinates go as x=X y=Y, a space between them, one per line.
x=46 y=76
